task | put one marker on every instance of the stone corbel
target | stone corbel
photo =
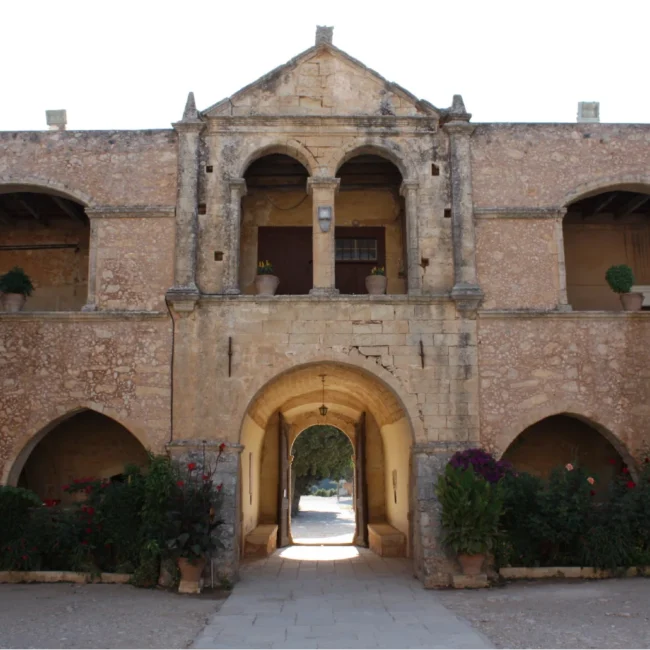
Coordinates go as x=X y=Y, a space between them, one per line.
x=182 y=299
x=468 y=298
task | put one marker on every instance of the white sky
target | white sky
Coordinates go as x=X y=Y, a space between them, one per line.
x=118 y=65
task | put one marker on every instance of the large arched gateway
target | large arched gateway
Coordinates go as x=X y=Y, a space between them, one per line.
x=369 y=412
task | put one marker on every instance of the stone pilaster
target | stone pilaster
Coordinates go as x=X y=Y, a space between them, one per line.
x=323 y=191
x=233 y=235
x=563 y=299
x=205 y=454
x=409 y=190
x=188 y=131
x=466 y=291
x=434 y=566
x=93 y=247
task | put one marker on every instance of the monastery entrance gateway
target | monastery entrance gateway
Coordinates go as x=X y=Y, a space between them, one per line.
x=369 y=414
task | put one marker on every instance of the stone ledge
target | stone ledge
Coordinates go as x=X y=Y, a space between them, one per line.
x=82 y=315
x=422 y=299
x=15 y=577
x=564 y=315
x=572 y=572
x=470 y=582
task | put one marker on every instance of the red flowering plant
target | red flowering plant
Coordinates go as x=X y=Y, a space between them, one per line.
x=194 y=507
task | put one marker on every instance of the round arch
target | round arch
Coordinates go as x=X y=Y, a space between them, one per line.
x=43 y=185
x=624 y=182
x=528 y=419
x=385 y=399
x=290 y=148
x=27 y=442
x=369 y=147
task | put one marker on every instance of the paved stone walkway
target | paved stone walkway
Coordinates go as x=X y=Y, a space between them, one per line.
x=334 y=597
x=324 y=520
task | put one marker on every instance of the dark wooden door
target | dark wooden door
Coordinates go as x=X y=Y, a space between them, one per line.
x=360 y=483
x=289 y=249
x=353 y=245
x=284 y=482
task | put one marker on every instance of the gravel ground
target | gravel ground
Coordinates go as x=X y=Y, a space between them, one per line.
x=559 y=614
x=100 y=616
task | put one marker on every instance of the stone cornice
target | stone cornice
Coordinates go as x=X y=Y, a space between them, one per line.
x=519 y=213
x=408 y=186
x=498 y=314
x=238 y=185
x=131 y=211
x=459 y=127
x=82 y=316
x=347 y=123
x=190 y=126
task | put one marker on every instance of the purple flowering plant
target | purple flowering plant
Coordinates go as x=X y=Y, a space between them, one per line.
x=483 y=464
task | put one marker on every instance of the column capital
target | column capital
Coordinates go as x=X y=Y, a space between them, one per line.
x=457 y=127
x=467 y=297
x=408 y=186
x=238 y=185
x=193 y=126
x=323 y=182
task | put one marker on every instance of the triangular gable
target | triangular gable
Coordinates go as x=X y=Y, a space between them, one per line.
x=323 y=80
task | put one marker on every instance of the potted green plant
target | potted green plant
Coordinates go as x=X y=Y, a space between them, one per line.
x=15 y=286
x=376 y=281
x=266 y=283
x=621 y=280
x=192 y=517
x=471 y=509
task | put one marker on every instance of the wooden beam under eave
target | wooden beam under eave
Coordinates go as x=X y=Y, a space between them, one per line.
x=632 y=206
x=32 y=212
x=605 y=202
x=67 y=208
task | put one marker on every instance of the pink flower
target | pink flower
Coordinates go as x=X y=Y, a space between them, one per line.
x=180 y=483
x=219 y=487
x=591 y=480
x=206 y=477
x=630 y=485
x=222 y=446
x=191 y=466
x=569 y=467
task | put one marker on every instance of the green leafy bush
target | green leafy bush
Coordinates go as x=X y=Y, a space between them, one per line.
x=620 y=278
x=15 y=504
x=16 y=281
x=471 y=509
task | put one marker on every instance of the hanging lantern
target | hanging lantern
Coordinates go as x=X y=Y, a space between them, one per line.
x=323 y=409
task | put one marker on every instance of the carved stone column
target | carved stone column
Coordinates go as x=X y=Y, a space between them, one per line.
x=233 y=236
x=466 y=291
x=563 y=299
x=323 y=191
x=409 y=190
x=188 y=131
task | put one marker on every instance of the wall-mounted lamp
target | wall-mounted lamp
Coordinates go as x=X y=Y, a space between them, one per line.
x=324 y=217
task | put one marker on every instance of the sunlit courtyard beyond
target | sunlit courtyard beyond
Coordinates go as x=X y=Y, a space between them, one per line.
x=323 y=520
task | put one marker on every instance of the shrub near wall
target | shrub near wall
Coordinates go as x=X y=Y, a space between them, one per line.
x=569 y=520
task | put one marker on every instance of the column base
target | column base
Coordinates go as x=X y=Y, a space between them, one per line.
x=324 y=292
x=467 y=297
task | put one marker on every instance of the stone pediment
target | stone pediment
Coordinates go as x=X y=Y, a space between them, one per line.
x=322 y=81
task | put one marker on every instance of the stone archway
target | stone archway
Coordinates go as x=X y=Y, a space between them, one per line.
x=292 y=399
x=83 y=443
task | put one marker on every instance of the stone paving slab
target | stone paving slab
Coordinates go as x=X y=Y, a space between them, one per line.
x=334 y=597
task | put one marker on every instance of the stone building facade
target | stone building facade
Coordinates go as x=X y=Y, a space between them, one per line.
x=497 y=328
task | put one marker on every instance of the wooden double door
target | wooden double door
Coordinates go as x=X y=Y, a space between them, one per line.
x=360 y=498
x=290 y=250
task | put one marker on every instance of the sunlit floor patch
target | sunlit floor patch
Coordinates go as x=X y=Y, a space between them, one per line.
x=323 y=520
x=314 y=553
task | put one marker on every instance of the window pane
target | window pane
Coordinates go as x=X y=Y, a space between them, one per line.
x=364 y=250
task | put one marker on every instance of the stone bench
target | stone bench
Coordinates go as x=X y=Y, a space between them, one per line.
x=262 y=541
x=386 y=541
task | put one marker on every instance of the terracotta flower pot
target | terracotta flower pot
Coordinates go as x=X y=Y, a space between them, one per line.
x=632 y=301
x=376 y=284
x=13 y=301
x=266 y=285
x=191 y=582
x=471 y=564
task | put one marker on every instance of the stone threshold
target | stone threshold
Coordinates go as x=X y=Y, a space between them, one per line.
x=82 y=315
x=15 y=577
x=572 y=572
x=424 y=299
x=565 y=315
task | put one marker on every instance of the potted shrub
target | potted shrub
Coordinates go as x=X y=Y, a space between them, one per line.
x=266 y=283
x=192 y=518
x=376 y=281
x=620 y=280
x=471 y=509
x=15 y=286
